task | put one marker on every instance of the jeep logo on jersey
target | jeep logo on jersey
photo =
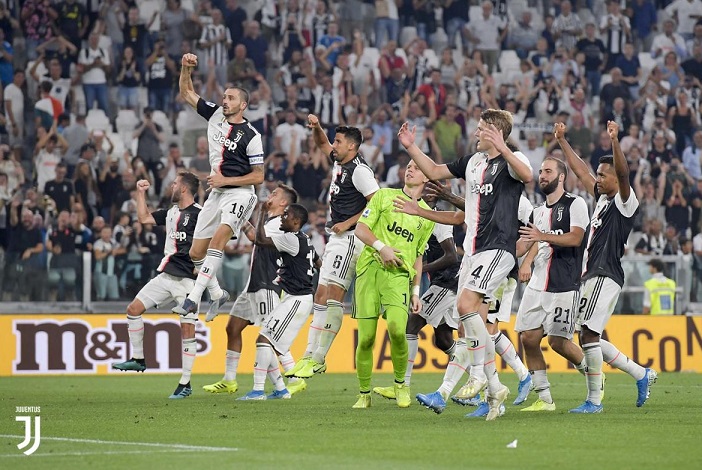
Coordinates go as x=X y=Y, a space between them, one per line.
x=227 y=143
x=180 y=236
x=485 y=189
x=403 y=232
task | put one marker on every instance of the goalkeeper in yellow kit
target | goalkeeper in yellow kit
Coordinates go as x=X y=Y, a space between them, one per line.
x=388 y=274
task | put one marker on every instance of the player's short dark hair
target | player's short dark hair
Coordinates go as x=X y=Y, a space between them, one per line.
x=657 y=265
x=243 y=93
x=607 y=160
x=298 y=212
x=351 y=133
x=190 y=181
x=560 y=165
x=290 y=194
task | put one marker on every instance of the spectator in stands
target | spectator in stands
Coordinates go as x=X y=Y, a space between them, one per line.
x=200 y=163
x=235 y=18
x=387 y=22
x=672 y=72
x=25 y=246
x=86 y=191
x=128 y=79
x=36 y=25
x=672 y=241
x=172 y=20
x=421 y=61
x=683 y=120
x=567 y=27
x=241 y=70
x=307 y=177
x=660 y=153
x=487 y=33
x=676 y=195
x=630 y=66
x=692 y=157
x=617 y=31
x=174 y=164
x=11 y=167
x=686 y=13
x=652 y=240
x=619 y=115
x=60 y=190
x=47 y=109
x=328 y=106
x=616 y=89
x=448 y=135
x=71 y=20
x=668 y=41
x=150 y=135
x=109 y=184
x=94 y=66
x=216 y=40
x=256 y=46
x=523 y=37
x=693 y=65
x=161 y=70
x=135 y=35
x=61 y=87
x=289 y=133
x=105 y=249
x=456 y=18
x=332 y=43
x=643 y=23
x=604 y=148
x=14 y=111
x=48 y=152
x=76 y=135
x=696 y=39
x=64 y=262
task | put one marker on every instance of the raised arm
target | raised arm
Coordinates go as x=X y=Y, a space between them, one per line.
x=443 y=192
x=187 y=91
x=621 y=167
x=261 y=238
x=143 y=214
x=575 y=163
x=320 y=137
x=430 y=169
x=410 y=207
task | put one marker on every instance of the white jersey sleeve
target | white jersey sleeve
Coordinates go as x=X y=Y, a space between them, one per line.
x=255 y=150
x=442 y=232
x=579 y=216
x=272 y=227
x=523 y=158
x=627 y=208
x=525 y=210
x=286 y=243
x=364 y=180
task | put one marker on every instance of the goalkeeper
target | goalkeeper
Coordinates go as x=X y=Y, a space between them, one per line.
x=388 y=274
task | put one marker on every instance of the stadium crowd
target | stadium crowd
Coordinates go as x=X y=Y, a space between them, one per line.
x=91 y=105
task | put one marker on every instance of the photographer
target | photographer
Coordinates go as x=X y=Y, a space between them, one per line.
x=676 y=195
x=48 y=152
x=109 y=184
x=60 y=189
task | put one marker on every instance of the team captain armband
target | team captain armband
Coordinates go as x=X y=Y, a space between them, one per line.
x=256 y=160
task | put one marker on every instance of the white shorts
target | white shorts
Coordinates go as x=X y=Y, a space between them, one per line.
x=285 y=321
x=231 y=207
x=503 y=297
x=437 y=307
x=339 y=260
x=255 y=306
x=554 y=311
x=598 y=297
x=484 y=272
x=166 y=288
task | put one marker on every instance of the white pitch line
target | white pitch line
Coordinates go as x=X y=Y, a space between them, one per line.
x=122 y=443
x=109 y=452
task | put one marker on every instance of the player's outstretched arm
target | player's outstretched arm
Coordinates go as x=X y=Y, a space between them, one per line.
x=187 y=91
x=143 y=214
x=575 y=163
x=621 y=167
x=320 y=137
x=426 y=164
x=410 y=207
x=519 y=168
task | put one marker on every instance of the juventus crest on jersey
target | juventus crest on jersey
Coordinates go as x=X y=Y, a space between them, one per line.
x=557 y=268
x=234 y=148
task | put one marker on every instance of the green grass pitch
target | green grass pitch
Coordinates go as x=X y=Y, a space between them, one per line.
x=88 y=422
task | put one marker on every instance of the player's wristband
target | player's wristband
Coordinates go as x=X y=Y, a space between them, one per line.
x=415 y=290
x=378 y=245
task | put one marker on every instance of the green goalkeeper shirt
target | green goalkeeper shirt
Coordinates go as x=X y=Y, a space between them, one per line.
x=407 y=233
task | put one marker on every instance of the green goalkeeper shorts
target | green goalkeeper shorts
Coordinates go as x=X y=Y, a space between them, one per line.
x=380 y=288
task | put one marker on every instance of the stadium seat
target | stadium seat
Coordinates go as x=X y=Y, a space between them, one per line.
x=508 y=62
x=475 y=12
x=606 y=78
x=162 y=120
x=126 y=122
x=407 y=34
x=647 y=64
x=97 y=119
